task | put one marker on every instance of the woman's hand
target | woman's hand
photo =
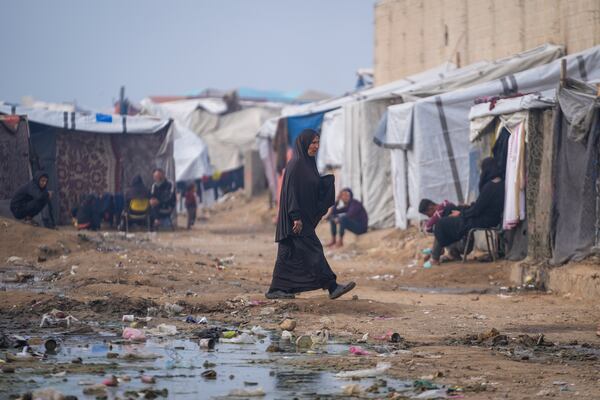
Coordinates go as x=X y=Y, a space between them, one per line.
x=455 y=213
x=297 y=228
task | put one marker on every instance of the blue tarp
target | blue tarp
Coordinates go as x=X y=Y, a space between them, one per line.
x=297 y=124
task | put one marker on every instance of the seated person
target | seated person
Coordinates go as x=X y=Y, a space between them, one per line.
x=486 y=212
x=86 y=214
x=352 y=216
x=31 y=198
x=136 y=191
x=162 y=198
x=435 y=212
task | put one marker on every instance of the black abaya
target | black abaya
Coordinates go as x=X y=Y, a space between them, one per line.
x=486 y=212
x=301 y=264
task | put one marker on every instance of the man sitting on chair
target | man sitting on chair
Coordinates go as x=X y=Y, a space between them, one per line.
x=162 y=199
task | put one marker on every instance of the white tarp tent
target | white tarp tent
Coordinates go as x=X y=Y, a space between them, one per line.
x=430 y=136
x=225 y=137
x=368 y=168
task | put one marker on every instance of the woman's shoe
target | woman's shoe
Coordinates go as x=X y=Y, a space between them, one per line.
x=342 y=290
x=278 y=294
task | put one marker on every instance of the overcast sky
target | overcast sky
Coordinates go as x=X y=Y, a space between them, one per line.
x=65 y=50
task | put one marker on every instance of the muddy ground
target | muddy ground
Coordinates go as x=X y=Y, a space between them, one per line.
x=460 y=324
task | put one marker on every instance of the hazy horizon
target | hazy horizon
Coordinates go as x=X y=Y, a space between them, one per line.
x=68 y=50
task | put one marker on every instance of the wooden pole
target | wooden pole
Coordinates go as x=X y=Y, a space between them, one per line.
x=563 y=72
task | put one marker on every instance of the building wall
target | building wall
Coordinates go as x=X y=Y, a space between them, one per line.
x=414 y=35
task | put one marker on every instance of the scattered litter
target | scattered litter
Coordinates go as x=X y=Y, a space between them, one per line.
x=173 y=309
x=207 y=343
x=133 y=334
x=358 y=351
x=140 y=356
x=148 y=379
x=244 y=338
x=364 y=338
x=267 y=311
x=352 y=390
x=192 y=320
x=386 y=277
x=286 y=335
x=432 y=395
x=304 y=342
x=259 y=331
x=288 y=324
x=320 y=337
x=380 y=369
x=57 y=317
x=258 y=392
x=111 y=381
x=164 y=330
x=209 y=374
x=229 y=334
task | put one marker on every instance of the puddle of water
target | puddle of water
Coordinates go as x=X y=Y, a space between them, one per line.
x=36 y=281
x=180 y=365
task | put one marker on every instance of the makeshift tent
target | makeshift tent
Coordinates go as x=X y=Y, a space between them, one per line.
x=226 y=136
x=432 y=139
x=236 y=133
x=14 y=158
x=331 y=149
x=95 y=153
x=366 y=167
x=495 y=125
x=577 y=172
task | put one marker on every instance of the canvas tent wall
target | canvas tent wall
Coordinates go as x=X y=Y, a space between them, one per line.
x=226 y=135
x=14 y=158
x=365 y=163
x=530 y=115
x=431 y=135
x=96 y=153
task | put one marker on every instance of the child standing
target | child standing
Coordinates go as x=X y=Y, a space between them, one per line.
x=191 y=204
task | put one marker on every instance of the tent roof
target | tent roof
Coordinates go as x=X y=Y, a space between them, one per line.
x=370 y=93
x=513 y=104
x=90 y=122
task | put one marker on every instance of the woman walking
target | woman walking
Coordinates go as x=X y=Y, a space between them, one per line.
x=305 y=198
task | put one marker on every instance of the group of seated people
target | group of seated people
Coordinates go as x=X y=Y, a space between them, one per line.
x=158 y=203
x=450 y=223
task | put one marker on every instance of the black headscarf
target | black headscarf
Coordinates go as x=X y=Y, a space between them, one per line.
x=137 y=189
x=304 y=195
x=489 y=171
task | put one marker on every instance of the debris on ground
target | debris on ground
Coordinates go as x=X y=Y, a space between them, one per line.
x=380 y=369
x=57 y=317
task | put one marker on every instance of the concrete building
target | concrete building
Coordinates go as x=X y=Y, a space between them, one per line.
x=414 y=35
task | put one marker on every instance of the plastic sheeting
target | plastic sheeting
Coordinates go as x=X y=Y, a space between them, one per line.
x=297 y=124
x=331 y=149
x=235 y=134
x=366 y=168
x=576 y=166
x=438 y=135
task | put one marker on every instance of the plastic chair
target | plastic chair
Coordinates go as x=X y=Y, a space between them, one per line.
x=138 y=210
x=492 y=239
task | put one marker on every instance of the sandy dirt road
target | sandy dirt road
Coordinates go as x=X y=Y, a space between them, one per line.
x=459 y=325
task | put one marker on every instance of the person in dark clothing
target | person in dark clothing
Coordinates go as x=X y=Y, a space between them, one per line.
x=305 y=198
x=87 y=214
x=435 y=212
x=486 y=212
x=191 y=204
x=352 y=216
x=31 y=198
x=137 y=190
x=162 y=198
